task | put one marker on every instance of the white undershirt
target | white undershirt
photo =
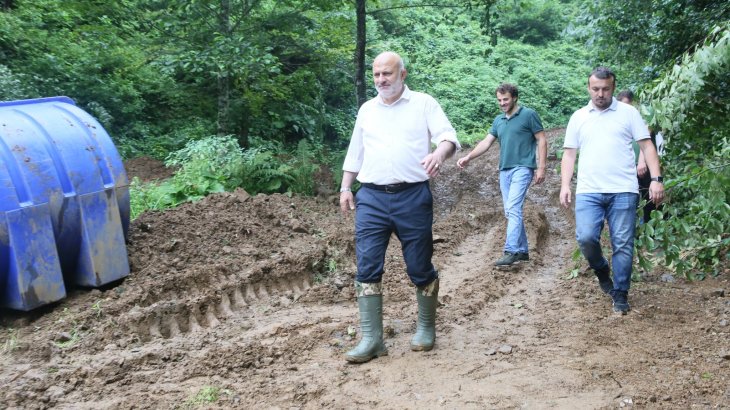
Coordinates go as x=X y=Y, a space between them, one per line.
x=389 y=141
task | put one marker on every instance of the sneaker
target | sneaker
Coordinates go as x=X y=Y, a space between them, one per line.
x=523 y=257
x=508 y=259
x=606 y=286
x=604 y=281
x=620 y=302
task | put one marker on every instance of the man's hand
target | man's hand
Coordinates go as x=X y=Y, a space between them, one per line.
x=656 y=192
x=565 y=197
x=542 y=148
x=539 y=176
x=347 y=202
x=463 y=162
x=567 y=165
x=641 y=168
x=432 y=164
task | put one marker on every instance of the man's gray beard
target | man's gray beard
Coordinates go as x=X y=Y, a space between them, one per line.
x=390 y=94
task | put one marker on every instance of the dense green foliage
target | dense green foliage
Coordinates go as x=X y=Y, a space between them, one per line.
x=92 y=52
x=159 y=73
x=641 y=38
x=535 y=23
x=691 y=106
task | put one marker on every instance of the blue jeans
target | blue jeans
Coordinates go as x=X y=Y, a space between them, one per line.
x=620 y=212
x=408 y=214
x=513 y=183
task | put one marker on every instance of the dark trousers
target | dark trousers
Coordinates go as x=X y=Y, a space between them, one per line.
x=649 y=206
x=408 y=214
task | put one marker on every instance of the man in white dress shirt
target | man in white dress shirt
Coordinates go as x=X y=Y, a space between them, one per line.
x=390 y=155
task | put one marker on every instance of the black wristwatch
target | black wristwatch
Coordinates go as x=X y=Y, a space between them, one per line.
x=658 y=179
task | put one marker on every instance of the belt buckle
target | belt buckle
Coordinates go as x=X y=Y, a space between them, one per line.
x=389 y=189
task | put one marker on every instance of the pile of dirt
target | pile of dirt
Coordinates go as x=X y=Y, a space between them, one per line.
x=247 y=302
x=147 y=169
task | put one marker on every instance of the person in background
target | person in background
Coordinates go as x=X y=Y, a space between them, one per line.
x=607 y=187
x=642 y=171
x=519 y=132
x=390 y=155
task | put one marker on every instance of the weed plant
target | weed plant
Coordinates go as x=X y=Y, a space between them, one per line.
x=218 y=164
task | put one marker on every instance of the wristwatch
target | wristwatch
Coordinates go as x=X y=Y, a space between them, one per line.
x=658 y=179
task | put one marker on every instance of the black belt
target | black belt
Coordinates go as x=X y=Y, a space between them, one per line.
x=392 y=188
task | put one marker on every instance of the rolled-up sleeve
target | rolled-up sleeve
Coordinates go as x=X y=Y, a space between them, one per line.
x=439 y=125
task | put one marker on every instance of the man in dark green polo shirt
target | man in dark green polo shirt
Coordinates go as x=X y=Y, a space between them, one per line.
x=519 y=131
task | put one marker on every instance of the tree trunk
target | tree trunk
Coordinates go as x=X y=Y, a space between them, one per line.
x=224 y=101
x=224 y=78
x=360 y=53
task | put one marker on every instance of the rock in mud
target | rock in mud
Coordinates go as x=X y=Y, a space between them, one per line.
x=241 y=195
x=54 y=392
x=298 y=226
x=63 y=337
x=718 y=293
x=505 y=349
x=667 y=277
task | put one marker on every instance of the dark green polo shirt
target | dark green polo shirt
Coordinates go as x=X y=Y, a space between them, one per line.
x=516 y=136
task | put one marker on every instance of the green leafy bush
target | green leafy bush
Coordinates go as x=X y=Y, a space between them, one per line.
x=536 y=23
x=12 y=86
x=213 y=164
x=152 y=196
x=690 y=105
x=217 y=164
x=209 y=165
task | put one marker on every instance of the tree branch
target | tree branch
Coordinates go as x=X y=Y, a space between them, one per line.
x=680 y=181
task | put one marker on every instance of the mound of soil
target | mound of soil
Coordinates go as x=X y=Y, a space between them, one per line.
x=247 y=302
x=147 y=169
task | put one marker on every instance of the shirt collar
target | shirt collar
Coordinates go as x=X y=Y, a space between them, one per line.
x=519 y=109
x=612 y=107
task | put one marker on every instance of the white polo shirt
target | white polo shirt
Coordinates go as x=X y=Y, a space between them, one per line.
x=389 y=141
x=606 y=162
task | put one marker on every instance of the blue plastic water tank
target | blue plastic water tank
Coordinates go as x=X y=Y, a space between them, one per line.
x=64 y=203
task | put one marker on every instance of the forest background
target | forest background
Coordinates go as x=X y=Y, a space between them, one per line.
x=263 y=94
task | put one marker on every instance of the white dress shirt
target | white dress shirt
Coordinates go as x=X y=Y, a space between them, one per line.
x=389 y=141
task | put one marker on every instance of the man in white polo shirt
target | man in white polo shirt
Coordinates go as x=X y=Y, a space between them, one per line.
x=607 y=187
x=390 y=155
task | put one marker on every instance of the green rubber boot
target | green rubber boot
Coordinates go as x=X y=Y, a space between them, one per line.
x=425 y=336
x=370 y=303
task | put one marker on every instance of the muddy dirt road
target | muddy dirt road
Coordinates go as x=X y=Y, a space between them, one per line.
x=248 y=302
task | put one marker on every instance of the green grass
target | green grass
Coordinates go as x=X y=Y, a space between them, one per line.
x=11 y=343
x=205 y=396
